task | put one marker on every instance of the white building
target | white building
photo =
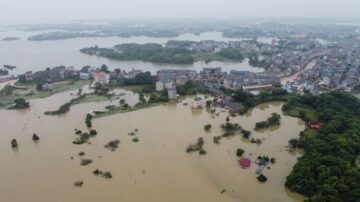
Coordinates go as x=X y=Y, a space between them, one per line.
x=169 y=84
x=197 y=103
x=159 y=86
x=102 y=78
x=172 y=94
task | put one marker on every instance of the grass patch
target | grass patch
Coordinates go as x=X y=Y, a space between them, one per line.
x=134 y=88
x=304 y=112
x=308 y=132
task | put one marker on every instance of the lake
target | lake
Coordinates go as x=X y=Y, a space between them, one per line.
x=37 y=55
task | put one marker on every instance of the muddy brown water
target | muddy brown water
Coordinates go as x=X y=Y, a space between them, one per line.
x=156 y=168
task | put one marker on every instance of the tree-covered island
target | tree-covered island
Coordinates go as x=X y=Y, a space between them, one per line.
x=173 y=52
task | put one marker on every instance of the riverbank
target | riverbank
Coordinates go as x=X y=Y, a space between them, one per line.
x=15 y=90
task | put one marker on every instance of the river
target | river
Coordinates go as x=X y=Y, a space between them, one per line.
x=157 y=168
x=37 y=55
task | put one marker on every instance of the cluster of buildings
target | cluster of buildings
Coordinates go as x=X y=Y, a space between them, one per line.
x=337 y=69
x=49 y=75
x=169 y=78
x=214 y=79
x=59 y=73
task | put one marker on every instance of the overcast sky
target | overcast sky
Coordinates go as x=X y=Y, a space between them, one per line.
x=37 y=11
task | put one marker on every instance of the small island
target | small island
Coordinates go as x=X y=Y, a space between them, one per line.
x=10 y=39
x=173 y=52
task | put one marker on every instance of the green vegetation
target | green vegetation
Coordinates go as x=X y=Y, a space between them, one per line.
x=84 y=137
x=142 y=78
x=207 y=127
x=328 y=170
x=208 y=103
x=35 y=137
x=158 y=98
x=93 y=132
x=3 y=72
x=85 y=162
x=239 y=152
x=14 y=143
x=231 y=129
x=232 y=54
x=28 y=91
x=274 y=120
x=105 y=174
x=20 y=103
x=88 y=120
x=304 y=112
x=249 y=100
x=198 y=146
x=112 y=145
x=150 y=52
x=175 y=52
x=190 y=88
x=135 y=139
x=262 y=178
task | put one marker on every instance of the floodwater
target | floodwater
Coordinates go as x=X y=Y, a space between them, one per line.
x=37 y=55
x=156 y=168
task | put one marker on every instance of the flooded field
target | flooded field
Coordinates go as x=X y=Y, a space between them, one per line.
x=157 y=168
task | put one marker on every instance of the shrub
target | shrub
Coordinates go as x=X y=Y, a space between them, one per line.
x=35 y=137
x=262 y=178
x=202 y=152
x=239 y=152
x=93 y=132
x=135 y=139
x=78 y=132
x=207 y=127
x=85 y=162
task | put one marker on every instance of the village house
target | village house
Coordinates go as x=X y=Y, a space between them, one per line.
x=172 y=94
x=197 y=102
x=101 y=78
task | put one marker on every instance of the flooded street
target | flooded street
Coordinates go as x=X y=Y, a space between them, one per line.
x=157 y=168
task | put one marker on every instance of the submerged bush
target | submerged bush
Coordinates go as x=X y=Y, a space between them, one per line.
x=262 y=178
x=207 y=127
x=239 y=152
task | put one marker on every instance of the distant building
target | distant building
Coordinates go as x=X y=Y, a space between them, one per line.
x=172 y=94
x=233 y=107
x=6 y=78
x=164 y=84
x=133 y=73
x=159 y=85
x=85 y=73
x=197 y=102
x=102 y=78
x=40 y=76
x=211 y=74
x=57 y=73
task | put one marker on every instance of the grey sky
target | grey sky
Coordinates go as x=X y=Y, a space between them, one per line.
x=33 y=11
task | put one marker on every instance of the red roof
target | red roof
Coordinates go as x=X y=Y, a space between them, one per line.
x=314 y=124
x=244 y=162
x=100 y=74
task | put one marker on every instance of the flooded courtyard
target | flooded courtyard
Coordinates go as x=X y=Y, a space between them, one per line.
x=157 y=168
